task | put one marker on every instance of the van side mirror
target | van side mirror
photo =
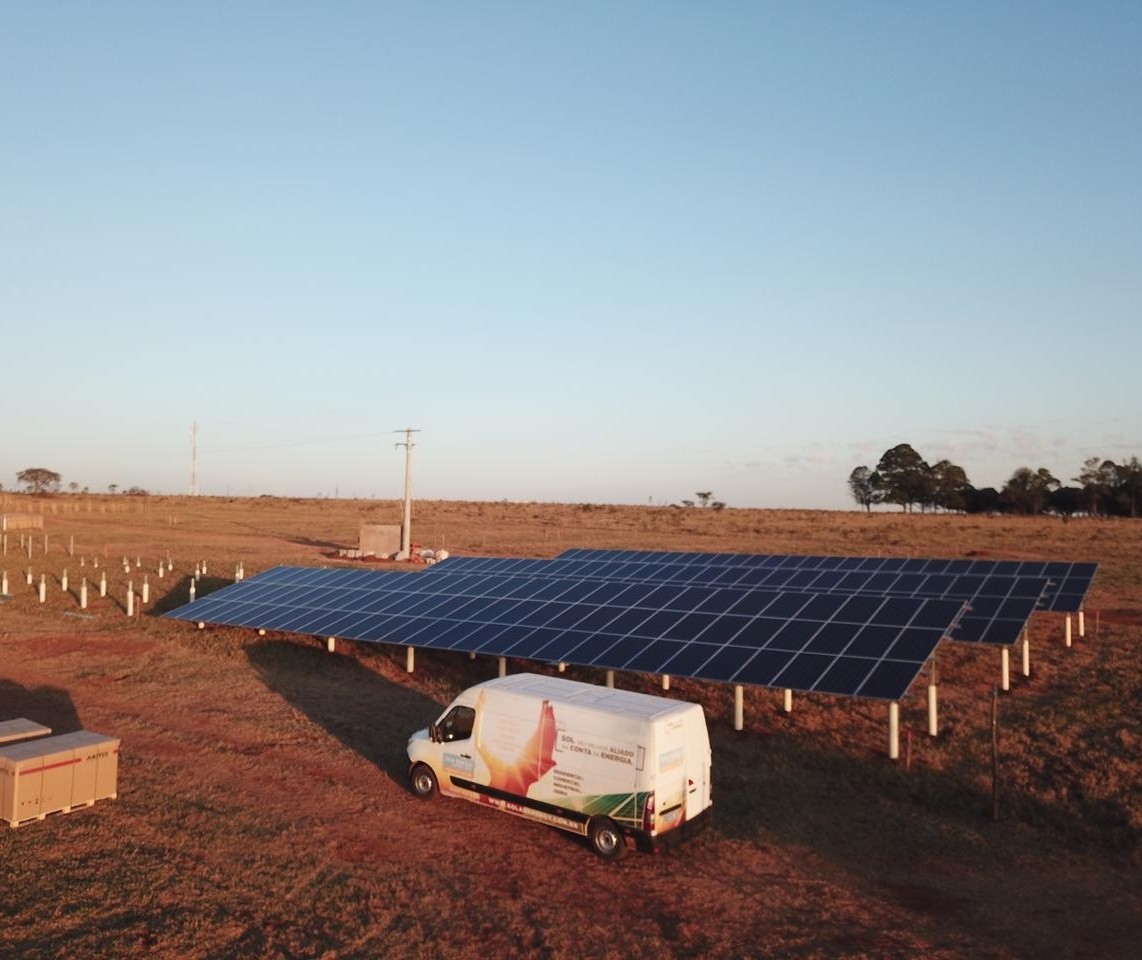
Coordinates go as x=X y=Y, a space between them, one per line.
x=433 y=733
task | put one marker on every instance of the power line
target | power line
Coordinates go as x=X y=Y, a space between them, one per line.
x=298 y=443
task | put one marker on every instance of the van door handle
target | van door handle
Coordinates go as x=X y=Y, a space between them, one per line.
x=466 y=756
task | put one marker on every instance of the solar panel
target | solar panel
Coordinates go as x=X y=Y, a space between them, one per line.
x=998 y=606
x=1068 y=586
x=855 y=646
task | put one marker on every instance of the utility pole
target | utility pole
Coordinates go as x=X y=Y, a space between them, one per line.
x=194 y=459
x=406 y=526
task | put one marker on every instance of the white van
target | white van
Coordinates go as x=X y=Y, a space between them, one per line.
x=603 y=763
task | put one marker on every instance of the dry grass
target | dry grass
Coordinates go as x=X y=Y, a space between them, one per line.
x=263 y=810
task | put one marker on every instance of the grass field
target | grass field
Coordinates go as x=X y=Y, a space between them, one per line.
x=263 y=810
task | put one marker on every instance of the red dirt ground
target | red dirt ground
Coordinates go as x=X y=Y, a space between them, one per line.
x=263 y=810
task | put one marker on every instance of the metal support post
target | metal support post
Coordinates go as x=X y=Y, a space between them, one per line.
x=894 y=731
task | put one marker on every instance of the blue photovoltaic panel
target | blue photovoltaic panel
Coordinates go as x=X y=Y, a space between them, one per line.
x=1066 y=590
x=855 y=646
x=998 y=606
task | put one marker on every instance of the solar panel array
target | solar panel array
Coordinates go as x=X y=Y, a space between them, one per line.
x=1068 y=586
x=999 y=606
x=865 y=646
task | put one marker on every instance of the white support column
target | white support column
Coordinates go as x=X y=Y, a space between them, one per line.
x=1005 y=669
x=331 y=644
x=503 y=666
x=933 y=716
x=192 y=591
x=787 y=705
x=611 y=679
x=1067 y=632
x=29 y=576
x=894 y=731
x=4 y=583
x=666 y=681
x=103 y=584
x=1082 y=624
x=63 y=581
x=146 y=590
x=739 y=707
x=130 y=599
x=1025 y=645
x=43 y=587
x=71 y=546
x=83 y=594
x=471 y=654
x=562 y=668
x=410 y=660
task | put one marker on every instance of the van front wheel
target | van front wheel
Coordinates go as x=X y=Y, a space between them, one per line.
x=422 y=779
x=606 y=838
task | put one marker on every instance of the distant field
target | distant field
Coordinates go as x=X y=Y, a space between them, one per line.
x=263 y=810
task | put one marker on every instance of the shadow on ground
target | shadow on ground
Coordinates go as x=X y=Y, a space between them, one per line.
x=179 y=593
x=322 y=544
x=50 y=706
x=368 y=713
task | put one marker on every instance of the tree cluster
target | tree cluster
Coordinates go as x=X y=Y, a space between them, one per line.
x=903 y=477
x=1110 y=489
x=41 y=481
x=705 y=499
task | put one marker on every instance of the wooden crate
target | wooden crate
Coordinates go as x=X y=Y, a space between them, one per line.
x=56 y=774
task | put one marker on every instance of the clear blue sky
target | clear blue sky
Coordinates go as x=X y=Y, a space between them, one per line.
x=605 y=252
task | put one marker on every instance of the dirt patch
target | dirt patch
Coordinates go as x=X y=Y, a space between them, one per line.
x=1123 y=616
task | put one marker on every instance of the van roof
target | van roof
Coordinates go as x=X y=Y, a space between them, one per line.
x=558 y=690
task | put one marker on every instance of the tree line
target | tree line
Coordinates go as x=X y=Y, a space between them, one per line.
x=41 y=481
x=903 y=477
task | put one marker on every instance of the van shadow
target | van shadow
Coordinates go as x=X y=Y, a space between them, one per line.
x=49 y=706
x=367 y=713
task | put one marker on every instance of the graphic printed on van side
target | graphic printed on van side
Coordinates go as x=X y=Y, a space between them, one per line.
x=571 y=755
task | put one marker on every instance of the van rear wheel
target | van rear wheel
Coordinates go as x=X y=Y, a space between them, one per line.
x=606 y=838
x=422 y=779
